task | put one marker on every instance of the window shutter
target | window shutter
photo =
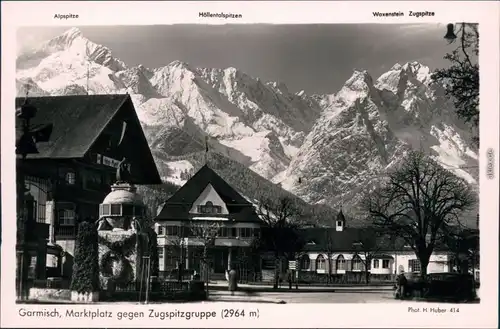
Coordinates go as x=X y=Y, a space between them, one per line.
x=313 y=264
x=327 y=265
x=349 y=265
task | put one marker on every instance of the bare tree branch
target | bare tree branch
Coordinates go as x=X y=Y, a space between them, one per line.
x=281 y=221
x=461 y=78
x=419 y=199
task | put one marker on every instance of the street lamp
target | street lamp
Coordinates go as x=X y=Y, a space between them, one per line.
x=450 y=33
x=183 y=247
x=27 y=136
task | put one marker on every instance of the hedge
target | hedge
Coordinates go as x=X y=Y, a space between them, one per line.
x=86 y=263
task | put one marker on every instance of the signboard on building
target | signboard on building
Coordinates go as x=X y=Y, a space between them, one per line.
x=107 y=161
x=292 y=264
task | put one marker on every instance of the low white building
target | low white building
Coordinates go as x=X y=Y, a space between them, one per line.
x=341 y=249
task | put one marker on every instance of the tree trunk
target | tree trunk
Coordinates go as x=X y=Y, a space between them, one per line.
x=424 y=262
x=329 y=279
x=368 y=261
x=276 y=272
x=205 y=265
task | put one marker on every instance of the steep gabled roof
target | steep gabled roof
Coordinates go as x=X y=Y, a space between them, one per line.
x=178 y=205
x=190 y=191
x=78 y=120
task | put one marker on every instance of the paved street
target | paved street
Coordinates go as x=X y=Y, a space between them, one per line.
x=290 y=297
x=306 y=297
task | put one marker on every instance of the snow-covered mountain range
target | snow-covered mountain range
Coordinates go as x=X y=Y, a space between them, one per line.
x=323 y=148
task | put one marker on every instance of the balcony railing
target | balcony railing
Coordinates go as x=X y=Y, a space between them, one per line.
x=62 y=232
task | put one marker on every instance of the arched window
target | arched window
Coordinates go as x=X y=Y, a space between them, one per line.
x=305 y=262
x=341 y=263
x=320 y=263
x=357 y=263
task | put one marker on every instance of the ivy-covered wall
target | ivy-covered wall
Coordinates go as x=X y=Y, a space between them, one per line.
x=118 y=257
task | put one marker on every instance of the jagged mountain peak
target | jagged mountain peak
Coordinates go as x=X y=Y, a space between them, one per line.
x=66 y=49
x=369 y=128
x=279 y=86
x=67 y=37
x=177 y=64
x=232 y=70
x=359 y=76
x=230 y=74
x=63 y=41
x=337 y=144
x=73 y=32
x=399 y=75
x=414 y=65
x=359 y=85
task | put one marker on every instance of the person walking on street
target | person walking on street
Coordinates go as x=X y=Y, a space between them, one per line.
x=233 y=281
x=401 y=283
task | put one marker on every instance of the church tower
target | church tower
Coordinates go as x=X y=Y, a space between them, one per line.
x=340 y=222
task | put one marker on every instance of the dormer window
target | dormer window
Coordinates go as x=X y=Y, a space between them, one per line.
x=209 y=208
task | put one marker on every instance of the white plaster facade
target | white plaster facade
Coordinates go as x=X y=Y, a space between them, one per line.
x=389 y=263
x=233 y=234
x=209 y=195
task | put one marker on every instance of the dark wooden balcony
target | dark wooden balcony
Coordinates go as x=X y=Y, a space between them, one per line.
x=34 y=231
x=71 y=193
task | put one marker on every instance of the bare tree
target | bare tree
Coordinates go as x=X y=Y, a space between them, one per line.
x=206 y=233
x=329 y=250
x=461 y=78
x=174 y=251
x=369 y=242
x=417 y=201
x=281 y=221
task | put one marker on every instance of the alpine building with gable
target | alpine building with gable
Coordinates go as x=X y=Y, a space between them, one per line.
x=72 y=172
x=207 y=200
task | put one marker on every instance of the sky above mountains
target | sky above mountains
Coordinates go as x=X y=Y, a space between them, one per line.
x=314 y=58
